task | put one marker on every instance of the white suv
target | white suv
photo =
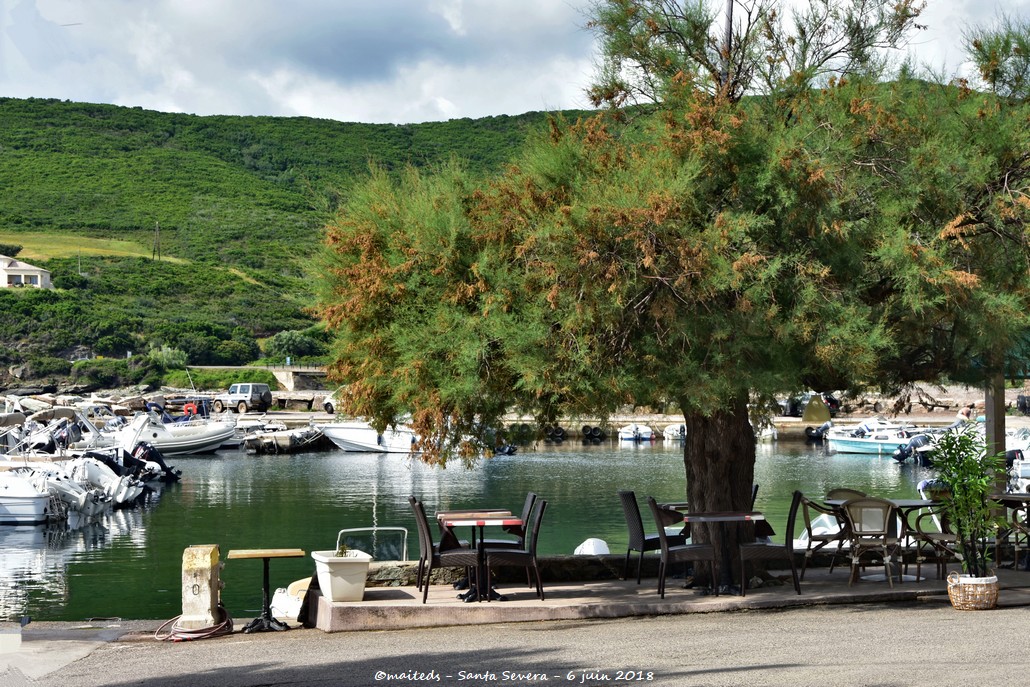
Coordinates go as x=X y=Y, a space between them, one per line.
x=244 y=397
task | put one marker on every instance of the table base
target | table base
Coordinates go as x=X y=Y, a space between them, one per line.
x=473 y=595
x=264 y=624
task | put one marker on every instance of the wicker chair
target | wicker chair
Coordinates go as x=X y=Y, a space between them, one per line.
x=638 y=540
x=819 y=537
x=873 y=530
x=758 y=551
x=438 y=555
x=524 y=557
x=679 y=553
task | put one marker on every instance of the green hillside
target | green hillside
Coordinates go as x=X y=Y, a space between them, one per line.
x=233 y=206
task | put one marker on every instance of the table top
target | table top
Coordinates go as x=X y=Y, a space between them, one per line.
x=723 y=516
x=899 y=503
x=265 y=553
x=1021 y=498
x=480 y=520
x=473 y=513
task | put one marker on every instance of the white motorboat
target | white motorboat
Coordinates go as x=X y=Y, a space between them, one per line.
x=635 y=432
x=21 y=503
x=308 y=438
x=123 y=489
x=875 y=436
x=53 y=479
x=676 y=430
x=360 y=436
x=198 y=436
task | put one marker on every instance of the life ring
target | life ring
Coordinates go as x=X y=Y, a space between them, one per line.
x=189 y=408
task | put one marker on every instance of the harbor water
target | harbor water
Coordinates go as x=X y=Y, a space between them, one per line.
x=128 y=563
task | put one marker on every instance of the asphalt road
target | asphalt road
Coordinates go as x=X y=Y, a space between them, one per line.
x=918 y=643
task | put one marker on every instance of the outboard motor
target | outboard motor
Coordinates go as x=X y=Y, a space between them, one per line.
x=1011 y=457
x=905 y=451
x=818 y=433
x=145 y=452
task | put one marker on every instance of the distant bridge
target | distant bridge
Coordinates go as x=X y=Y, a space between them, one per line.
x=290 y=377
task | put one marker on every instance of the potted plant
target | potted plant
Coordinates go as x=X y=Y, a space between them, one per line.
x=342 y=572
x=963 y=464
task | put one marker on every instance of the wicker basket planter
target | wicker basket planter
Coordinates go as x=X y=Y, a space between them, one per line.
x=968 y=593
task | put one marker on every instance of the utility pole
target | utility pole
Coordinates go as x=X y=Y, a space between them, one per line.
x=156 y=252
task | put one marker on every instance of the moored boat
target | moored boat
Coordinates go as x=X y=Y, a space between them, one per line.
x=359 y=436
x=21 y=503
x=200 y=436
x=875 y=436
x=635 y=432
x=308 y=438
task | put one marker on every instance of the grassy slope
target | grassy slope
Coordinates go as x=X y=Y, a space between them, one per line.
x=239 y=203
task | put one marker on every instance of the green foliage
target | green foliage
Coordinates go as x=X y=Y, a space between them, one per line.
x=107 y=373
x=1001 y=54
x=209 y=380
x=10 y=250
x=961 y=462
x=47 y=367
x=167 y=357
x=239 y=202
x=295 y=344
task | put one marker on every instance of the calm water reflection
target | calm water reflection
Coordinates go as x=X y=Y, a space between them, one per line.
x=129 y=564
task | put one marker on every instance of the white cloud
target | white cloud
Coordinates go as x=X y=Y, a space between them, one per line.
x=354 y=60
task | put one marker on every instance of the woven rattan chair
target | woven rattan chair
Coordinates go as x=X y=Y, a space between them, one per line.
x=525 y=557
x=873 y=527
x=824 y=526
x=679 y=553
x=638 y=540
x=438 y=555
x=758 y=551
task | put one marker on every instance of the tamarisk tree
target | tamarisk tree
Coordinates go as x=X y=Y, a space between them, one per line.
x=712 y=253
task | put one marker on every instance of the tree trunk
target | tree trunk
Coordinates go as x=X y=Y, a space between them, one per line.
x=719 y=458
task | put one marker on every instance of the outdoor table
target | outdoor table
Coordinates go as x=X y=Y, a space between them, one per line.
x=265 y=622
x=721 y=518
x=478 y=520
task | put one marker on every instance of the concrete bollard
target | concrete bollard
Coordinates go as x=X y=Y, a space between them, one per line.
x=200 y=587
x=10 y=637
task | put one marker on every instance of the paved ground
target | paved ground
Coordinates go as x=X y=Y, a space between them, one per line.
x=838 y=635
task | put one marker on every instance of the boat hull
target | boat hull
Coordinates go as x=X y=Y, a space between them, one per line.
x=877 y=446
x=21 y=504
x=360 y=437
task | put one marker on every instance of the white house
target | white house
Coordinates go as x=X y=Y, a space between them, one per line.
x=17 y=273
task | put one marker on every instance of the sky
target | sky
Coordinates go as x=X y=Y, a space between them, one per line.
x=373 y=61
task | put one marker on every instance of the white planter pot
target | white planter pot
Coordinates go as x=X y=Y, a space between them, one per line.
x=342 y=578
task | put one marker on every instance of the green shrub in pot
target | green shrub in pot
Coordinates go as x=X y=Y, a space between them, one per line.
x=961 y=460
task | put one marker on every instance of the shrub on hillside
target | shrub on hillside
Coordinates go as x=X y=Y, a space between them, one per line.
x=210 y=380
x=46 y=366
x=294 y=344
